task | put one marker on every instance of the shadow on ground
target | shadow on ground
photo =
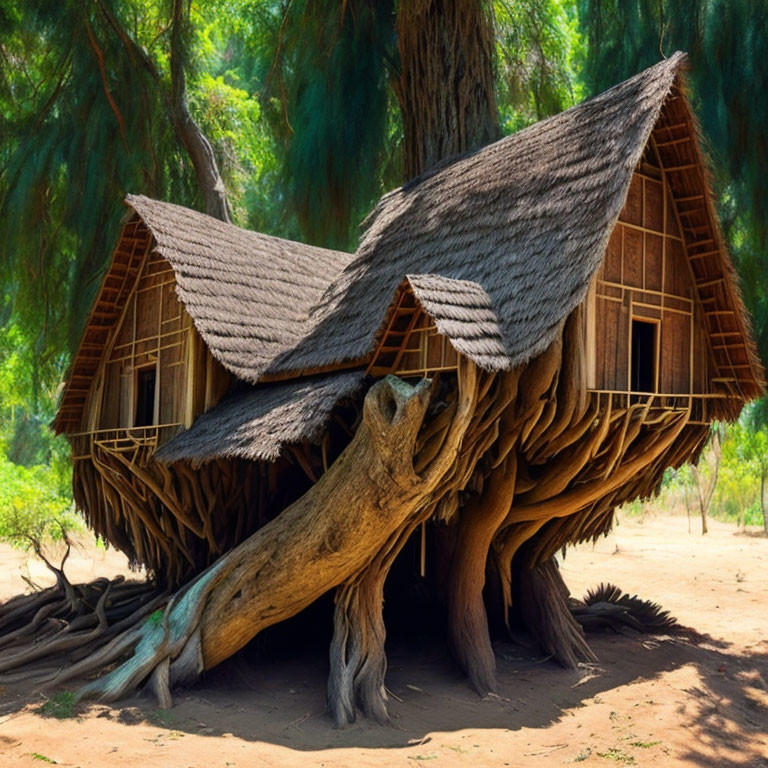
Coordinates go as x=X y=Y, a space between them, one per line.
x=281 y=700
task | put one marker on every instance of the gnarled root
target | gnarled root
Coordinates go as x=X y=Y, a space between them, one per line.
x=543 y=603
x=358 y=660
x=43 y=633
x=368 y=496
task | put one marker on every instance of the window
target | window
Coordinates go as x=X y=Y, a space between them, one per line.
x=643 y=373
x=145 y=397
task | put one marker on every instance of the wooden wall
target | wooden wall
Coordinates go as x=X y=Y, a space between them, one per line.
x=646 y=276
x=410 y=345
x=156 y=333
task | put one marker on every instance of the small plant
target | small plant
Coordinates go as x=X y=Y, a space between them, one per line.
x=618 y=755
x=645 y=744
x=161 y=717
x=61 y=706
x=38 y=756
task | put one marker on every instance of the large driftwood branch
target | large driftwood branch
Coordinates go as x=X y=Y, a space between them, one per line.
x=323 y=539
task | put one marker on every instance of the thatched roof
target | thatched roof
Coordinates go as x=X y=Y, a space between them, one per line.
x=503 y=243
x=256 y=424
x=499 y=247
x=249 y=294
x=527 y=218
x=463 y=312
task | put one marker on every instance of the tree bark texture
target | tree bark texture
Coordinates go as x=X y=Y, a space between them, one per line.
x=196 y=143
x=542 y=601
x=445 y=86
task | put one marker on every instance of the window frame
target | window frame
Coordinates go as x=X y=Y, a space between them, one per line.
x=656 y=323
x=137 y=372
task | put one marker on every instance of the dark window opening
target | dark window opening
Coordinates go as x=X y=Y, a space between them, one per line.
x=643 y=374
x=145 y=396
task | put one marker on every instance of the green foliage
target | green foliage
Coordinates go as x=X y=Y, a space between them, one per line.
x=742 y=478
x=155 y=619
x=538 y=45
x=61 y=706
x=230 y=118
x=331 y=108
x=161 y=717
x=618 y=756
x=743 y=473
x=35 y=501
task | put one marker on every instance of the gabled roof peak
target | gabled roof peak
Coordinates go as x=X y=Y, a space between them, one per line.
x=515 y=230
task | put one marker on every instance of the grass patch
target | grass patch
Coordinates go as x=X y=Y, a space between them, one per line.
x=618 y=756
x=61 y=706
x=161 y=717
x=645 y=744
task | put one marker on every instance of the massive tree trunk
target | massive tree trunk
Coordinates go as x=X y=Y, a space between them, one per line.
x=445 y=87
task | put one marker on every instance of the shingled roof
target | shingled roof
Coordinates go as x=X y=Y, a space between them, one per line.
x=463 y=312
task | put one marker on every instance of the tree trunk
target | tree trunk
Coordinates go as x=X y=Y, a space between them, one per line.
x=706 y=489
x=445 y=87
x=358 y=660
x=542 y=600
x=703 y=511
x=196 y=143
x=468 y=634
x=198 y=147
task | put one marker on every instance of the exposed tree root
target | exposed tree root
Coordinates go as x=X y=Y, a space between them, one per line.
x=45 y=634
x=358 y=660
x=517 y=464
x=543 y=602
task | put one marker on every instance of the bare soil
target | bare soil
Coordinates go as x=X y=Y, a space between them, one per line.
x=699 y=698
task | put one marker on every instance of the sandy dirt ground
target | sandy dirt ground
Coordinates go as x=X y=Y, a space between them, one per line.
x=696 y=699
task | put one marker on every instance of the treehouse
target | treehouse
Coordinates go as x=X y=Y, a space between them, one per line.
x=566 y=291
